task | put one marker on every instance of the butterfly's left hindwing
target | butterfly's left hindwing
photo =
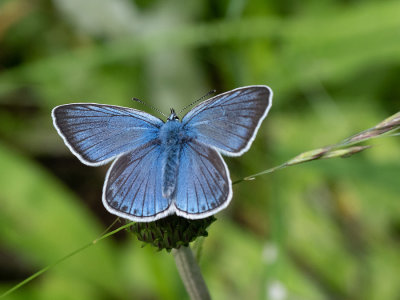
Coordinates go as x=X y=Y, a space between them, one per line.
x=132 y=189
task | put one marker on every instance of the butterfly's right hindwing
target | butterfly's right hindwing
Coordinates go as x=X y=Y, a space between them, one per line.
x=98 y=133
x=204 y=186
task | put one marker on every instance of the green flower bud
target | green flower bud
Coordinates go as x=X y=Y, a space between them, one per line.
x=171 y=232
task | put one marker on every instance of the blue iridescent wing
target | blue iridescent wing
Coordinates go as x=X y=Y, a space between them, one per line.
x=132 y=189
x=204 y=186
x=230 y=121
x=98 y=133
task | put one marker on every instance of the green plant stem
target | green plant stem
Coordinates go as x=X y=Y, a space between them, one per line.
x=190 y=274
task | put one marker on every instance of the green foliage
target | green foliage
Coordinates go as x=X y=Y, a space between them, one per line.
x=328 y=229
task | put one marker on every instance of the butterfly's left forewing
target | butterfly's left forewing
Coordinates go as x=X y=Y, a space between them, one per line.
x=203 y=186
x=98 y=133
x=132 y=188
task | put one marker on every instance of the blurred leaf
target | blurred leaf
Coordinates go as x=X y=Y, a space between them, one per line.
x=328 y=49
x=325 y=230
x=89 y=16
x=42 y=221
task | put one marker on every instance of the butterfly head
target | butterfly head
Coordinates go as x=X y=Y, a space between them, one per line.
x=173 y=116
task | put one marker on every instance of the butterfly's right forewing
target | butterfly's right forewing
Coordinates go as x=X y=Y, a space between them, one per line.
x=230 y=121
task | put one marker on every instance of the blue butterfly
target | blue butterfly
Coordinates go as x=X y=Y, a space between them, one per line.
x=163 y=168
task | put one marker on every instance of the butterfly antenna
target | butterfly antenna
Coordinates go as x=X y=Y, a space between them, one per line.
x=151 y=106
x=198 y=100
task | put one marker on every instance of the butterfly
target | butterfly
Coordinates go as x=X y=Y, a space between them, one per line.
x=163 y=168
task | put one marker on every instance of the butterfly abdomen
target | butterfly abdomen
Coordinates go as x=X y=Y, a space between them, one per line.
x=170 y=171
x=171 y=143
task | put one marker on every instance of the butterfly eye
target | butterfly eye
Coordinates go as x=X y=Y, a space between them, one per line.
x=173 y=116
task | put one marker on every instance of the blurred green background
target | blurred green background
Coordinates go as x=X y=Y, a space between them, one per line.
x=323 y=230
